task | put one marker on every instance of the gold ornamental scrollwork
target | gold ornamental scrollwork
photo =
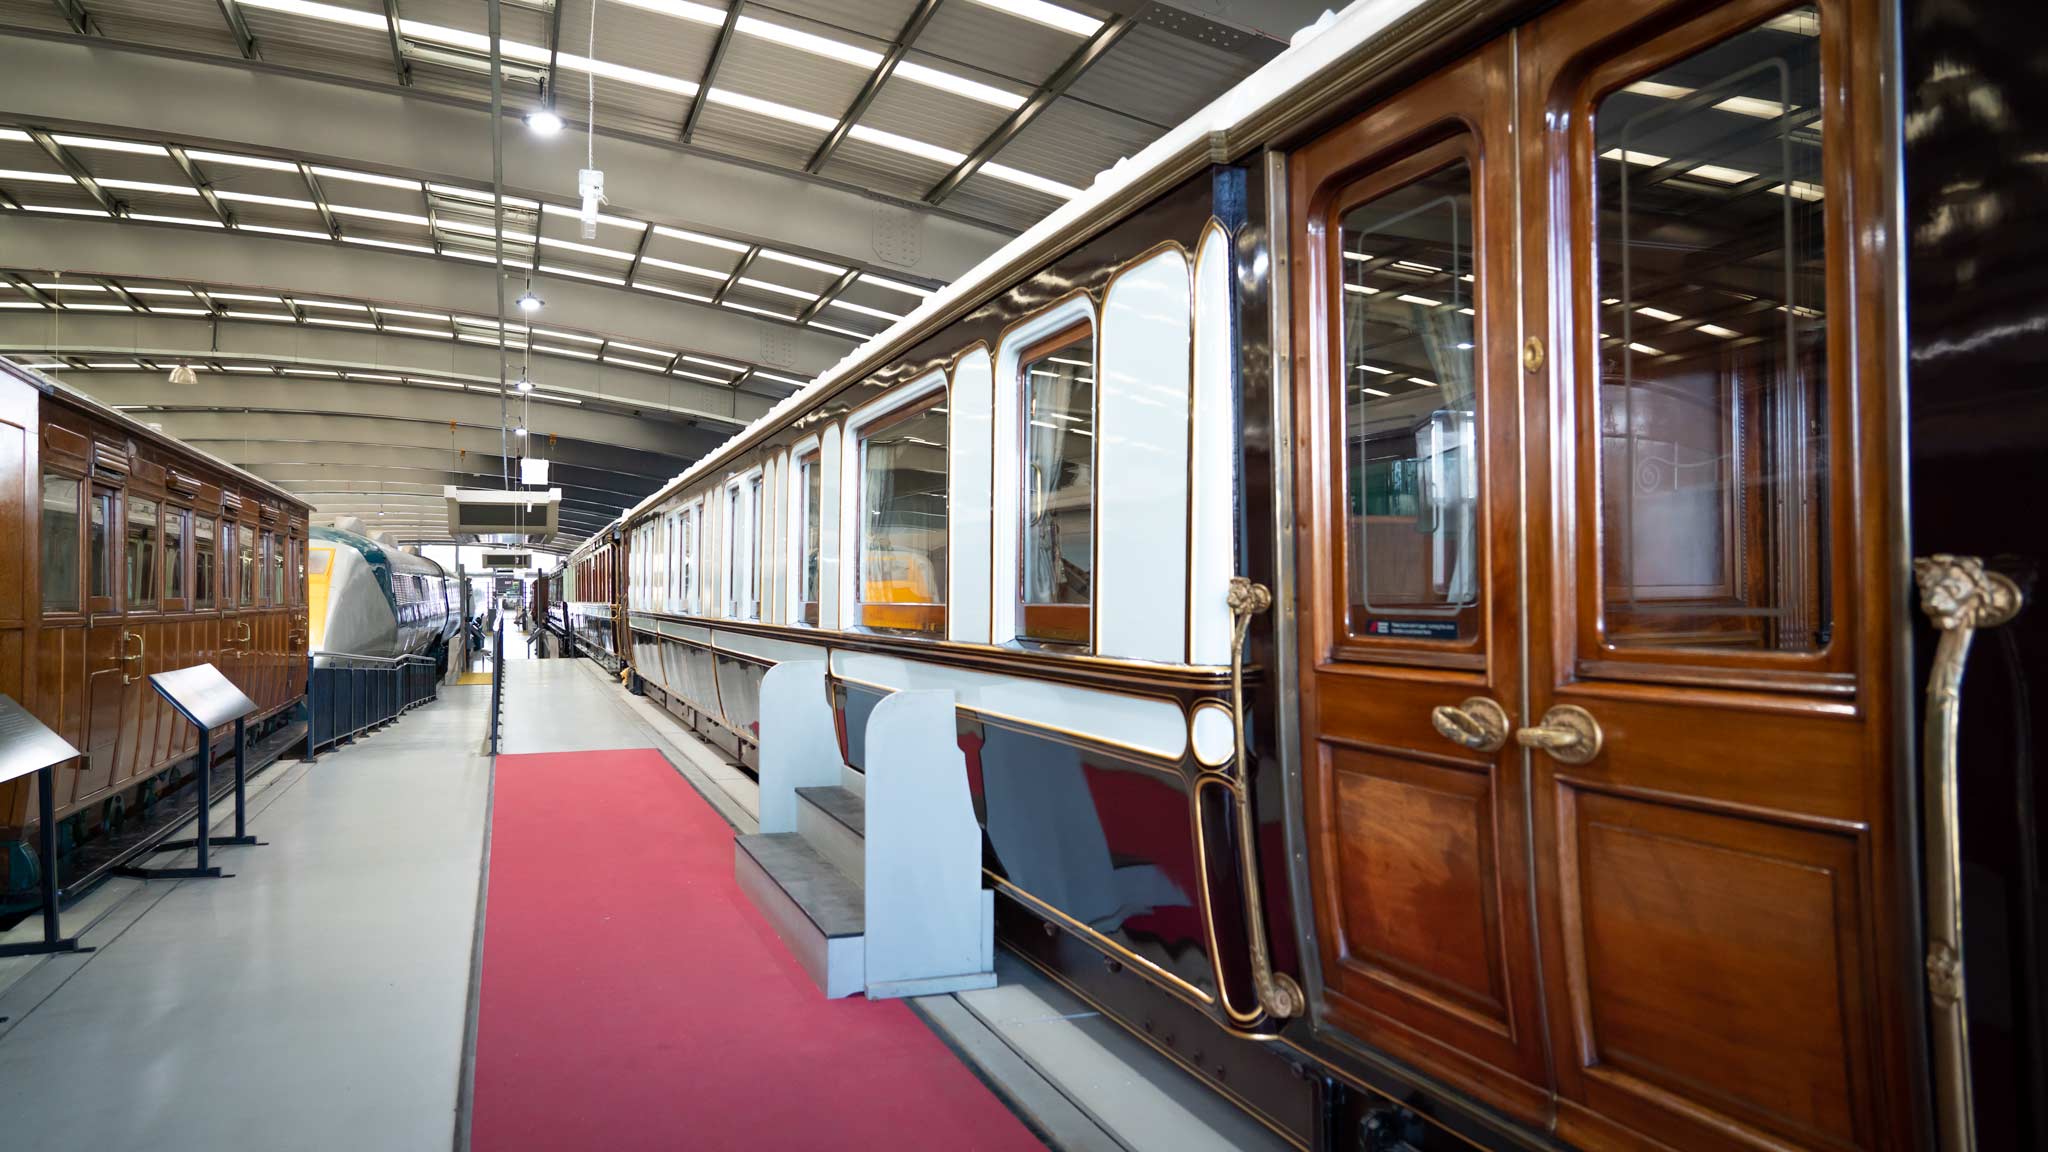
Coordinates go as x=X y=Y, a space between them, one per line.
x=1959 y=596
x=1278 y=992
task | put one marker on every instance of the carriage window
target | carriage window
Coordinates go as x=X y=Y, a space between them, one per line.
x=742 y=524
x=1712 y=348
x=60 y=543
x=99 y=548
x=141 y=553
x=175 y=520
x=688 y=591
x=1410 y=409
x=814 y=498
x=273 y=546
x=203 y=559
x=1058 y=386
x=246 y=576
x=902 y=575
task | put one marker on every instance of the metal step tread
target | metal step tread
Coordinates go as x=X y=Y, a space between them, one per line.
x=842 y=804
x=832 y=902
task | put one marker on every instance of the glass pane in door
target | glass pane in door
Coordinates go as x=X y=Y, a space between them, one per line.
x=1410 y=408
x=1712 y=348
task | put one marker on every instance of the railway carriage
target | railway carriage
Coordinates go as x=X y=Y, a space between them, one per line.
x=1419 y=552
x=129 y=553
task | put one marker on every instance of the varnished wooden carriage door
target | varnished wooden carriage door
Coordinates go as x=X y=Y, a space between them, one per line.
x=1710 y=605
x=1411 y=641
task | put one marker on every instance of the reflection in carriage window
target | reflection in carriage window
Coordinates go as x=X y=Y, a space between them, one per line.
x=903 y=520
x=141 y=552
x=1410 y=410
x=1712 y=358
x=60 y=543
x=174 y=553
x=202 y=562
x=99 y=549
x=1059 y=490
x=814 y=494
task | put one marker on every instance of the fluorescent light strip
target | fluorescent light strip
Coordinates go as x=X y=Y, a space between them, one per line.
x=710 y=363
x=1372 y=391
x=192 y=221
x=97 y=308
x=433 y=382
x=1050 y=15
x=602 y=218
x=275 y=317
x=598 y=277
x=576 y=353
x=837 y=330
x=643 y=365
x=686 y=269
x=441 y=316
x=864 y=310
x=246 y=297
x=1717 y=330
x=1422 y=300
x=677 y=293
x=1658 y=314
x=301 y=233
x=770 y=312
x=802 y=262
x=164 y=311
x=637 y=348
x=13 y=134
x=394 y=245
x=1421 y=381
x=112 y=364
x=591 y=249
x=36 y=177
x=958 y=85
x=25 y=305
x=62 y=211
x=337 y=322
x=894 y=285
x=321 y=372
x=62 y=287
x=375 y=376
x=774 y=111
x=554 y=334
x=98 y=144
x=780 y=379
x=273 y=201
x=336 y=305
x=702 y=376
x=1645 y=349
x=775 y=289
x=481 y=196
x=355 y=177
x=133 y=291
x=696 y=238
x=240 y=161
x=416 y=221
x=1375 y=368
x=437 y=333
x=1025 y=179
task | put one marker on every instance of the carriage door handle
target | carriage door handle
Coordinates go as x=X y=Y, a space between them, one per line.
x=1478 y=724
x=1568 y=732
x=141 y=649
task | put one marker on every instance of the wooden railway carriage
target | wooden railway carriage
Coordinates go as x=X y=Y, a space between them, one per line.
x=586 y=603
x=1539 y=360
x=125 y=552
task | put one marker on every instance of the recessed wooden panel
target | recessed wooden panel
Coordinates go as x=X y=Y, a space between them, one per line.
x=1719 y=963
x=1415 y=865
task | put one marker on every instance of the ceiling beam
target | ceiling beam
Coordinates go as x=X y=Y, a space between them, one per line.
x=319 y=200
x=826 y=297
x=399 y=64
x=77 y=172
x=230 y=102
x=232 y=12
x=905 y=37
x=80 y=20
x=724 y=41
x=280 y=264
x=202 y=186
x=1093 y=49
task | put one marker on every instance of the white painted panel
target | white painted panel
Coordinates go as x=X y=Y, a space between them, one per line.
x=1006 y=467
x=1213 y=549
x=1141 y=485
x=828 y=530
x=681 y=631
x=968 y=497
x=765 y=647
x=1141 y=722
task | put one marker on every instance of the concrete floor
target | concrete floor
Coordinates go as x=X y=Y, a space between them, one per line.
x=319 y=998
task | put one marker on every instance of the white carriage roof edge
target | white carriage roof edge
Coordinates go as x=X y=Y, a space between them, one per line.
x=138 y=428
x=1301 y=65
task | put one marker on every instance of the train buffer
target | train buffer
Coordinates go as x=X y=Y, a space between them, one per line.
x=875 y=882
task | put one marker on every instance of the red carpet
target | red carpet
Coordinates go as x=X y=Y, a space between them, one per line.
x=633 y=998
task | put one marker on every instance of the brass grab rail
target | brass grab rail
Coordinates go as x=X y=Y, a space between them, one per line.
x=1959 y=596
x=1278 y=992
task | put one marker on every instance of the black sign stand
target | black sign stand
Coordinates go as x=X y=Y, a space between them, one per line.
x=206 y=698
x=27 y=745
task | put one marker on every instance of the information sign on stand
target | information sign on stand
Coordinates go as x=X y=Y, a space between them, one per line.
x=209 y=700
x=27 y=745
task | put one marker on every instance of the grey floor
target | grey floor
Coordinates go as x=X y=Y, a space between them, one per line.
x=318 y=998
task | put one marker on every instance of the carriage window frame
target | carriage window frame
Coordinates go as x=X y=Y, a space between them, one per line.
x=246 y=564
x=206 y=594
x=1827 y=668
x=176 y=582
x=808 y=529
x=920 y=398
x=1050 y=625
x=105 y=561
x=149 y=579
x=79 y=487
x=739 y=551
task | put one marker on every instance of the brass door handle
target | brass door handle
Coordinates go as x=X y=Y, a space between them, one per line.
x=141 y=650
x=1478 y=724
x=1568 y=732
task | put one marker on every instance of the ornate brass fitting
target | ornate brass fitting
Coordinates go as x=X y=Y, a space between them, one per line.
x=1278 y=992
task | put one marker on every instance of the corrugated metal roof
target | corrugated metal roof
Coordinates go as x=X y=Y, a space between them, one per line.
x=883 y=169
x=986 y=198
x=997 y=42
x=194 y=25
x=34 y=14
x=1158 y=76
x=1071 y=142
x=882 y=19
x=340 y=49
x=925 y=113
x=756 y=137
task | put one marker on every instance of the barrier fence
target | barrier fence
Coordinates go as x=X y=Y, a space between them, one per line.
x=349 y=695
x=497 y=680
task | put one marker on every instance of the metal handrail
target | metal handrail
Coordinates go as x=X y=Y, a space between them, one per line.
x=497 y=679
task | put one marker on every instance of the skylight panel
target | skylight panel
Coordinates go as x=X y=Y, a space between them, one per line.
x=893 y=285
x=801 y=262
x=104 y=145
x=1029 y=180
